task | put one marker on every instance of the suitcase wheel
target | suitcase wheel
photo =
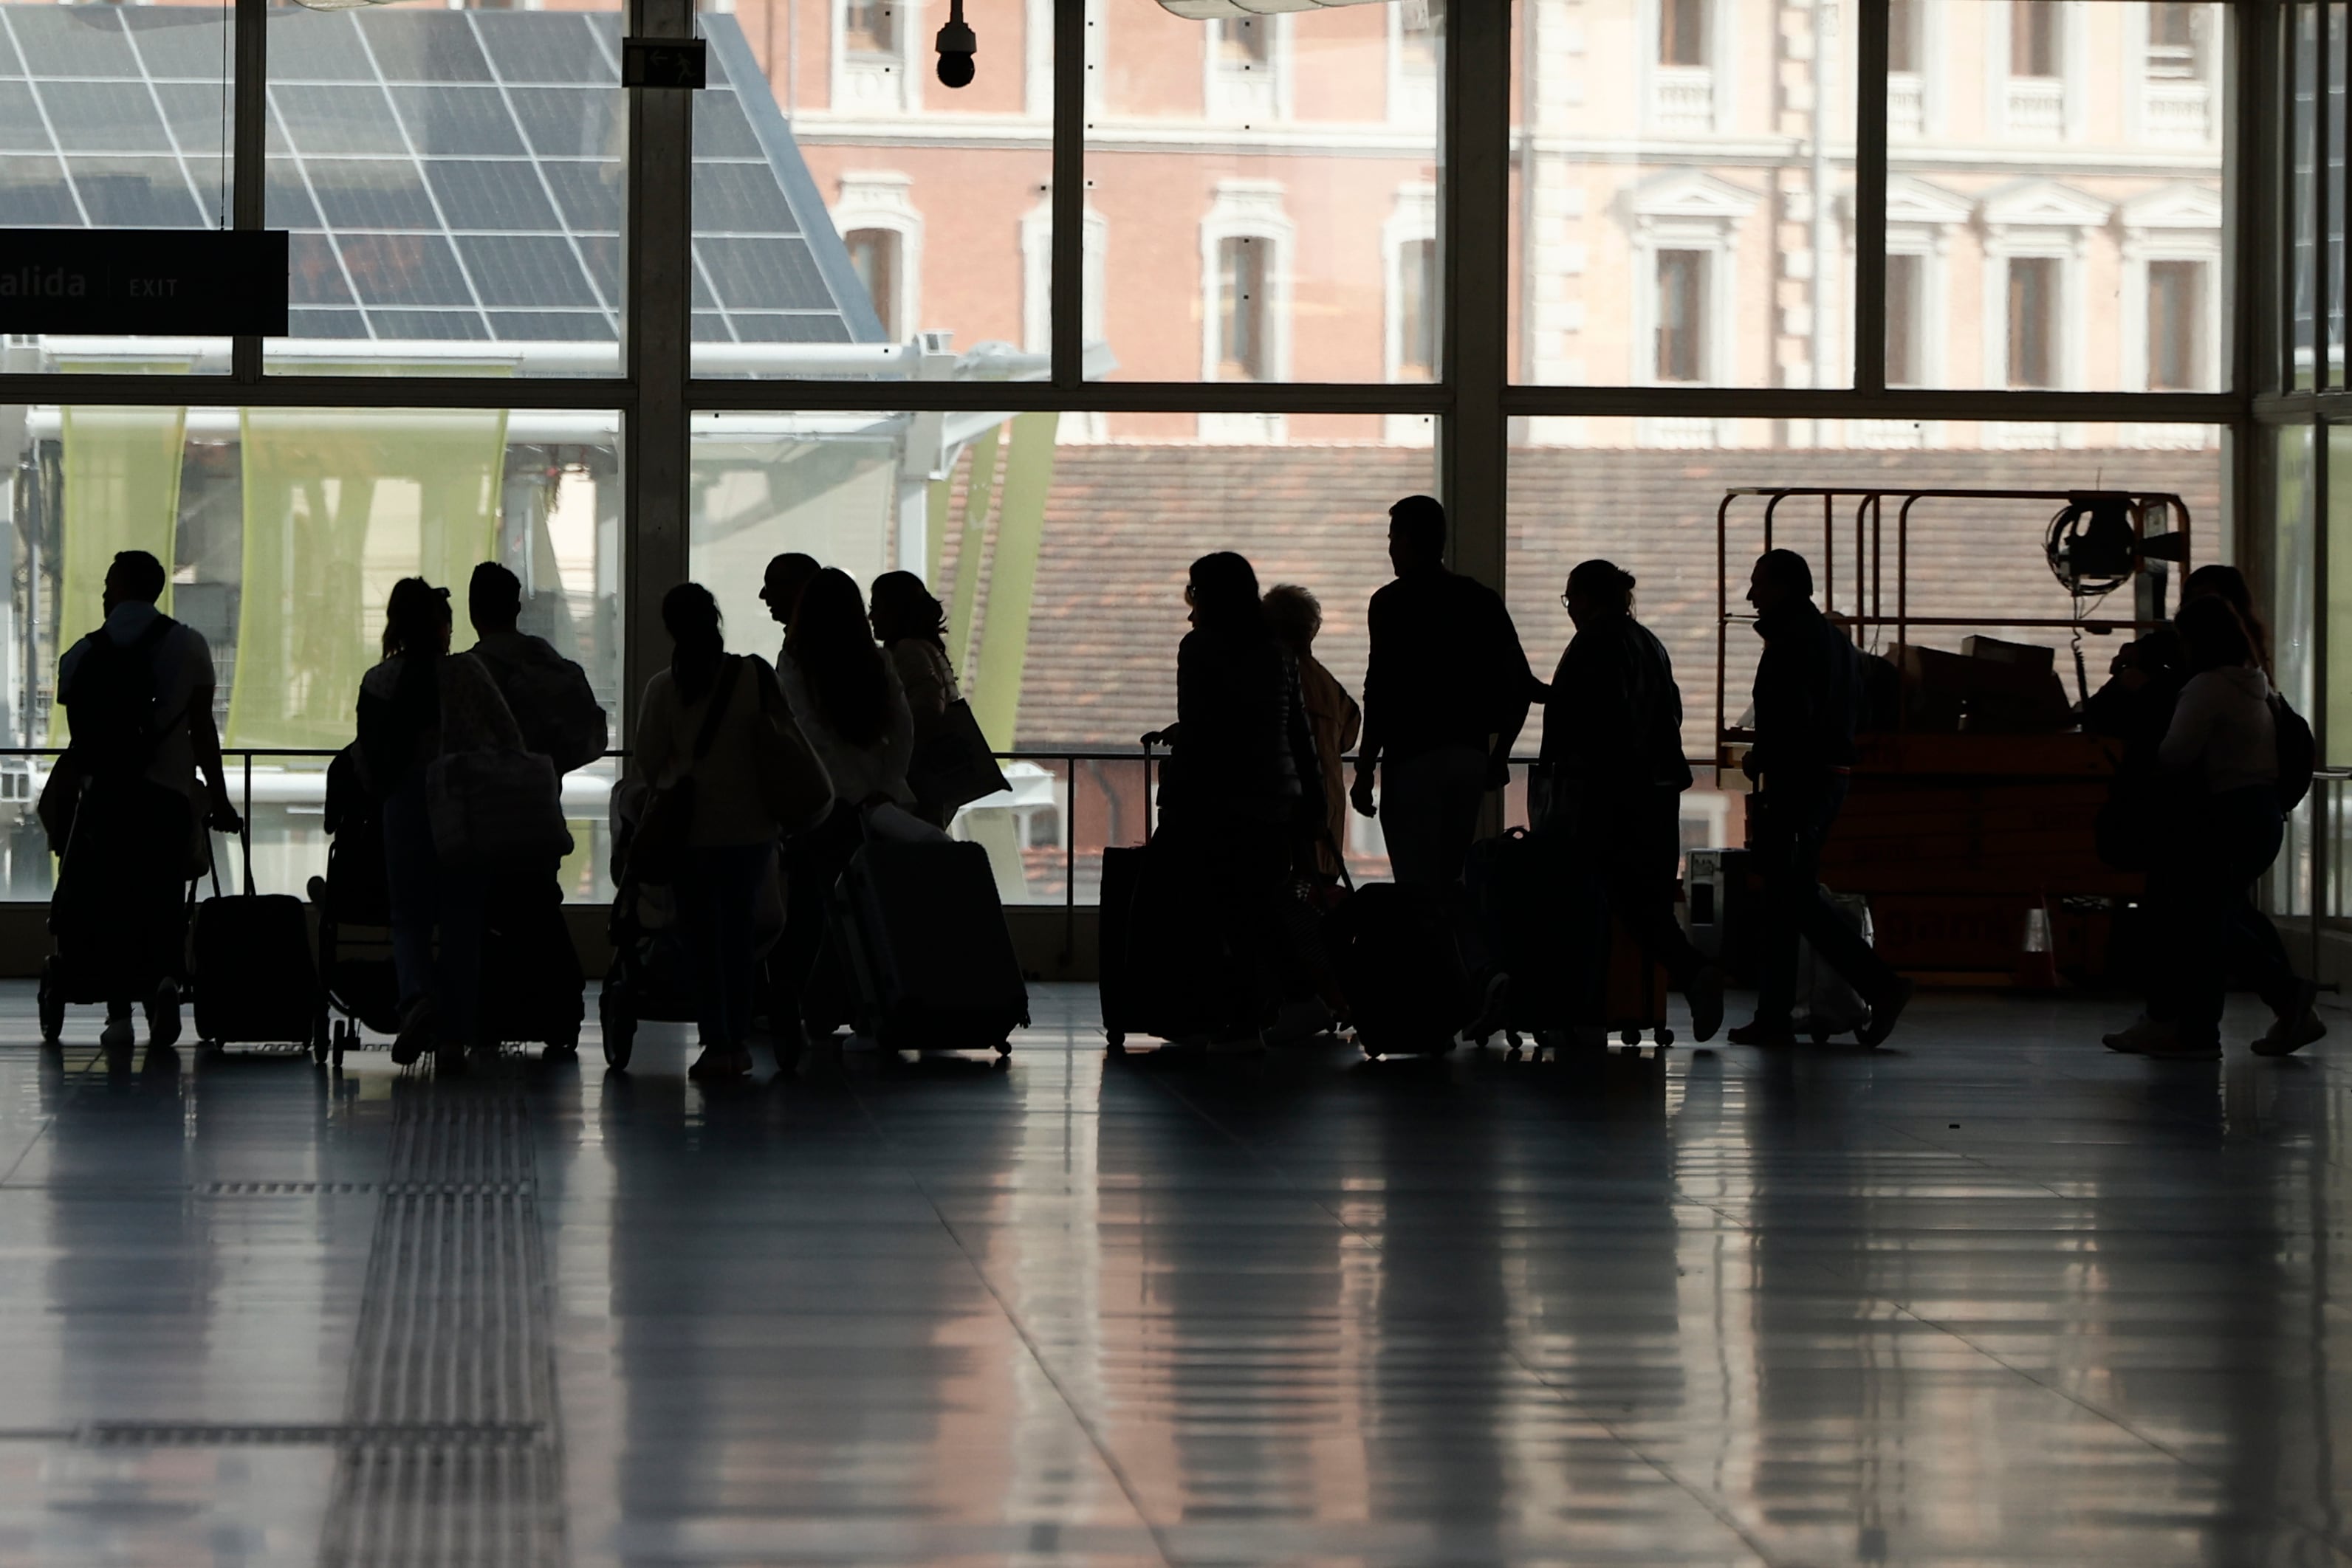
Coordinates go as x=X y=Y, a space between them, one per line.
x=1665 y=1037
x=1117 y=1041
x=1372 y=1051
x=1821 y=1036
x=1003 y=1048
x=1630 y=1037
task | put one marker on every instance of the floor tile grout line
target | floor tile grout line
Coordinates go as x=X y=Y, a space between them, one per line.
x=1085 y=1423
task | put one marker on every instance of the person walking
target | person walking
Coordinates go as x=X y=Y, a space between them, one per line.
x=1241 y=783
x=145 y=765
x=1295 y=618
x=2222 y=744
x=1445 y=694
x=701 y=718
x=1808 y=698
x=912 y=627
x=549 y=693
x=1613 y=770
x=416 y=706
x=851 y=704
x=781 y=587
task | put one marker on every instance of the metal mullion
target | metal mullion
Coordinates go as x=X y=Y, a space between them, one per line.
x=1800 y=403
x=1473 y=437
x=1067 y=286
x=1869 y=199
x=320 y=391
x=1131 y=397
x=2289 y=50
x=249 y=144
x=2322 y=292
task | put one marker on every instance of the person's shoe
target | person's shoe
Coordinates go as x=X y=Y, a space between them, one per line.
x=163 y=1017
x=416 y=1036
x=2134 y=1038
x=2288 y=1035
x=717 y=1065
x=118 y=1034
x=1883 y=1012
x=1757 y=1031
x=1489 y=1019
x=1705 y=995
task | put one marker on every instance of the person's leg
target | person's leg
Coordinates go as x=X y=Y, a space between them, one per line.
x=1640 y=862
x=158 y=890
x=2256 y=951
x=1461 y=786
x=1837 y=942
x=740 y=873
x=459 y=964
x=2240 y=839
x=1410 y=815
x=696 y=895
x=411 y=883
x=1789 y=881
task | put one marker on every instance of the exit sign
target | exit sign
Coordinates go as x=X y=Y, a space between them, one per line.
x=187 y=283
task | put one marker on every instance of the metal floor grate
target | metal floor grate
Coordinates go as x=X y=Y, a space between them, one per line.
x=448 y=1449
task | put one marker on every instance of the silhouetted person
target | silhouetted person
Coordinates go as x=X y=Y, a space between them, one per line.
x=1612 y=758
x=2222 y=743
x=1333 y=719
x=853 y=709
x=549 y=694
x=1807 y=699
x=137 y=695
x=1240 y=779
x=1444 y=697
x=730 y=841
x=418 y=705
x=787 y=578
x=913 y=627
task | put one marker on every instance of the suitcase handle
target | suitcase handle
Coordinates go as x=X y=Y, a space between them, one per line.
x=245 y=839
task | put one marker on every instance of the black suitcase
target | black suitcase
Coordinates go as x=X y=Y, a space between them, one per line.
x=920 y=927
x=1164 y=951
x=533 y=986
x=249 y=957
x=1399 y=964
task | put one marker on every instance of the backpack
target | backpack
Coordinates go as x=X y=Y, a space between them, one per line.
x=2298 y=753
x=111 y=713
x=557 y=709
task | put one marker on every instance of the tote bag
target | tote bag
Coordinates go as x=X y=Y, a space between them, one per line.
x=954 y=767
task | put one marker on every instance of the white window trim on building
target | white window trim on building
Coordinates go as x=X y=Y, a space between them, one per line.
x=1413 y=219
x=1688 y=99
x=1685 y=209
x=1091 y=425
x=887 y=84
x=1915 y=106
x=2038 y=219
x=881 y=199
x=2176 y=222
x=1037 y=55
x=1246 y=209
x=2009 y=103
x=1412 y=95
x=1232 y=95
x=2181 y=111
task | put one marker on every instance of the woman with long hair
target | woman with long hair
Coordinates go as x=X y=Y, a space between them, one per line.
x=731 y=836
x=853 y=708
x=913 y=627
x=2221 y=746
x=1613 y=773
x=413 y=706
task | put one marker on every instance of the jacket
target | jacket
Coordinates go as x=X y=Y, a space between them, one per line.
x=1614 y=725
x=2222 y=731
x=1335 y=721
x=1446 y=667
x=1808 y=698
x=1241 y=727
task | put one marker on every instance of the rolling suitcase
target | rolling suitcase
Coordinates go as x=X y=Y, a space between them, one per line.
x=1633 y=998
x=249 y=957
x=1826 y=1004
x=1400 y=964
x=1166 y=952
x=928 y=956
x=533 y=986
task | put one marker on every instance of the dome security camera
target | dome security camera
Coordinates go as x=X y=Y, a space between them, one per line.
x=956 y=44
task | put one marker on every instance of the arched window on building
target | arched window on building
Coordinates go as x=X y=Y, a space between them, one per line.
x=870 y=27
x=1242 y=338
x=1682 y=315
x=876 y=256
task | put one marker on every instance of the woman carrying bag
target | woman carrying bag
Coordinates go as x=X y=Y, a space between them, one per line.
x=952 y=764
x=729 y=771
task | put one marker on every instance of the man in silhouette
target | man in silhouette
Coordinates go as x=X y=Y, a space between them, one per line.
x=1444 y=697
x=1808 y=698
x=137 y=695
x=552 y=701
x=788 y=576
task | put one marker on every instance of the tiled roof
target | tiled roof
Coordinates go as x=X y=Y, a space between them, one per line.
x=1124 y=522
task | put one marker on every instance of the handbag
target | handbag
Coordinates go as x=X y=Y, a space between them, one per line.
x=954 y=765
x=493 y=804
x=793 y=786
x=654 y=852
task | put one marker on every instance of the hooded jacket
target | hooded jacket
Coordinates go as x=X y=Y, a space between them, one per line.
x=1613 y=724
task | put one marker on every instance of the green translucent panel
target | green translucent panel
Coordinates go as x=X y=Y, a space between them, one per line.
x=122 y=491
x=338 y=507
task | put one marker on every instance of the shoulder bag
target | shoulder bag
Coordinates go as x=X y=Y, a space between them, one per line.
x=954 y=766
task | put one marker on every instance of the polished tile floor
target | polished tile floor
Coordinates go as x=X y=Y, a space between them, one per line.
x=1992 y=1295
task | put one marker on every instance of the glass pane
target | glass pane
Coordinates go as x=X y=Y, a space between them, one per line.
x=1262 y=195
x=1666 y=227
x=2333 y=131
x=2054 y=198
x=2290 y=580
x=115 y=117
x=2338 y=729
x=862 y=218
x=283 y=531
x=1640 y=493
x=2303 y=189
x=453 y=181
x=1057 y=545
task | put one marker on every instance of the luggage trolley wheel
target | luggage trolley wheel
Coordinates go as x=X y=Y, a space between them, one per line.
x=1665 y=1037
x=620 y=1029
x=1115 y=1042
x=1516 y=1046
